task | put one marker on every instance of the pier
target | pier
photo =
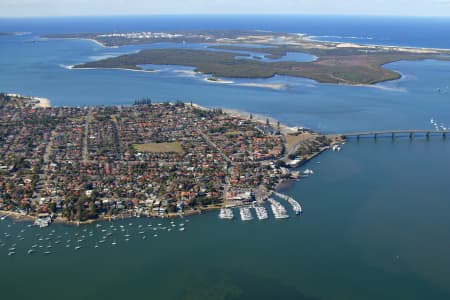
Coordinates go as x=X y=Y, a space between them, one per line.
x=411 y=133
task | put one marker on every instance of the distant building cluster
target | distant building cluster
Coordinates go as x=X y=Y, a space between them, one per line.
x=141 y=35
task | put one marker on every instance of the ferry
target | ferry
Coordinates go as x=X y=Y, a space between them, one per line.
x=246 y=214
x=261 y=213
x=226 y=213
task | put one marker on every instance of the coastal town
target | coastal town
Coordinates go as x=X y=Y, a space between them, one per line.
x=80 y=164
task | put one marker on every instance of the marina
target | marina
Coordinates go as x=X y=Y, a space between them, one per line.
x=226 y=213
x=261 y=213
x=246 y=214
x=278 y=210
x=296 y=207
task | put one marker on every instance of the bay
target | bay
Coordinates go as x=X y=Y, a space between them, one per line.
x=375 y=223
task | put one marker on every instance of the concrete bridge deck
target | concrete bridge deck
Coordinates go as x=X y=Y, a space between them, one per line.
x=393 y=133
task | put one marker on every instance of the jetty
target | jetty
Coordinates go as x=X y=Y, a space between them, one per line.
x=296 y=207
x=279 y=211
x=261 y=213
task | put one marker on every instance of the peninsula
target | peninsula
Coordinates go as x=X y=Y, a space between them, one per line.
x=150 y=159
x=339 y=63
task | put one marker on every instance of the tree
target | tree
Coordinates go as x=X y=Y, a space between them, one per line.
x=280 y=163
x=52 y=207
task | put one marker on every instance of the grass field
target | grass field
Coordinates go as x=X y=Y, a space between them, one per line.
x=174 y=147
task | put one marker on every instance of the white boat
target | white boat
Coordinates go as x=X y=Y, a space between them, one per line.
x=308 y=172
x=246 y=214
x=42 y=222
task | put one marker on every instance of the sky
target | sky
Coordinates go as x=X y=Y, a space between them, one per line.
x=25 y=8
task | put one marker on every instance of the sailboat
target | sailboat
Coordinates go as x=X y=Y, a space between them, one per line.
x=77 y=247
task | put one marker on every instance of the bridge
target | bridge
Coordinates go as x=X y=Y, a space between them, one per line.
x=394 y=133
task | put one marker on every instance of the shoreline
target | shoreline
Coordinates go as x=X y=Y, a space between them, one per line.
x=40 y=102
x=256 y=117
x=307 y=41
x=43 y=102
x=72 y=67
x=390 y=47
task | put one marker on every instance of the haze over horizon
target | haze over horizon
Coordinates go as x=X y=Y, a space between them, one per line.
x=42 y=8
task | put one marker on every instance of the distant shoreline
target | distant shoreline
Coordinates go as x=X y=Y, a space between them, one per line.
x=72 y=67
x=336 y=63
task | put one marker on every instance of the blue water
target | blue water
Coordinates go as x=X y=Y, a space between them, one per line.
x=376 y=220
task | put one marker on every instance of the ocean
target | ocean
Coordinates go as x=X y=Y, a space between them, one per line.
x=375 y=222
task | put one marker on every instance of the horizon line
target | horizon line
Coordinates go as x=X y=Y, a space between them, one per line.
x=224 y=14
